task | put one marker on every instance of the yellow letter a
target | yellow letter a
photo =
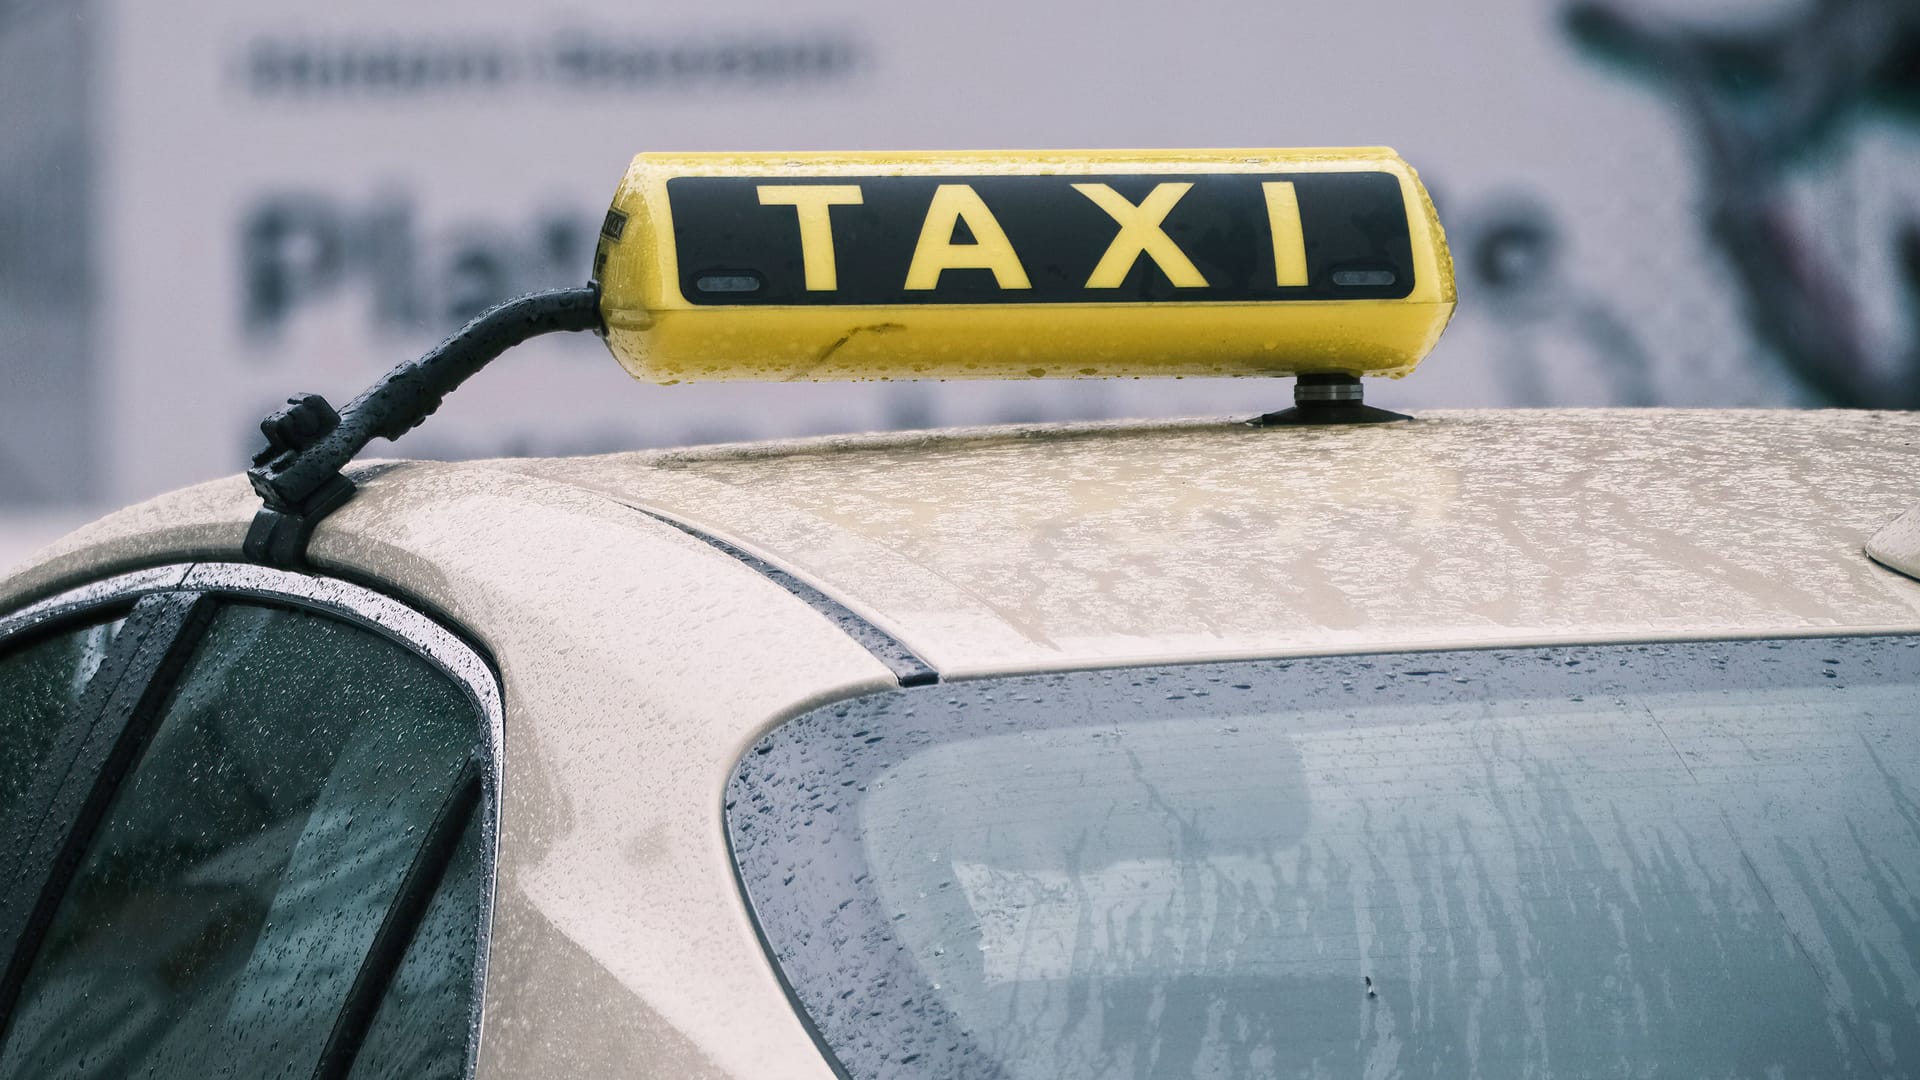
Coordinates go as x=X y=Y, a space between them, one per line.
x=936 y=251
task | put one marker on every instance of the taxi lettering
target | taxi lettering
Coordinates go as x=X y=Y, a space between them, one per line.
x=1062 y=238
x=812 y=204
x=1140 y=234
x=936 y=251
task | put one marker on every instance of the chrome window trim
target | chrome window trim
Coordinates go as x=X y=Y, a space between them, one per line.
x=359 y=606
x=96 y=594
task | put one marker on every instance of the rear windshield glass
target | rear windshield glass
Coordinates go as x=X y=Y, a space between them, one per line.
x=1691 y=859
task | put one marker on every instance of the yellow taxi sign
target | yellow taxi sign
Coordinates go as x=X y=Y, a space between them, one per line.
x=1026 y=264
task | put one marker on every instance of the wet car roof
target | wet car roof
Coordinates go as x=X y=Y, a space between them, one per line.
x=1009 y=549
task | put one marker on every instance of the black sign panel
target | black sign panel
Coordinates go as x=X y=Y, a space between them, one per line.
x=739 y=245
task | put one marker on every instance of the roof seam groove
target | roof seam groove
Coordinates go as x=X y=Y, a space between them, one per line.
x=906 y=665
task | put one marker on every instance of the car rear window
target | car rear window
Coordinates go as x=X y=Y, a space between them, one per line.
x=1697 y=859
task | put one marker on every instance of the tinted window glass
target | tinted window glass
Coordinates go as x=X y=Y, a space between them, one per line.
x=420 y=1032
x=244 y=866
x=1687 y=860
x=39 y=686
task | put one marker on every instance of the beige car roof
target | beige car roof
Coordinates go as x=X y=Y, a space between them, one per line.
x=1011 y=549
x=1029 y=549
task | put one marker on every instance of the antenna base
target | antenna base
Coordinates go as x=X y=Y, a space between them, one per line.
x=1328 y=399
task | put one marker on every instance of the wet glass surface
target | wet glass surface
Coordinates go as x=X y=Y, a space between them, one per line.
x=1660 y=860
x=225 y=905
x=39 y=686
x=420 y=1032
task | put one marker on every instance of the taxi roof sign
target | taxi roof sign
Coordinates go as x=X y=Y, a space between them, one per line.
x=1325 y=264
x=1022 y=264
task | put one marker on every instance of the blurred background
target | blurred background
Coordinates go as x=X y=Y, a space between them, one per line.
x=208 y=204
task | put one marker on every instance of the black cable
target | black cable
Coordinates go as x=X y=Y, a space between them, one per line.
x=298 y=475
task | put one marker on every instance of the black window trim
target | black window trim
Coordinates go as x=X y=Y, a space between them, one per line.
x=173 y=602
x=111 y=724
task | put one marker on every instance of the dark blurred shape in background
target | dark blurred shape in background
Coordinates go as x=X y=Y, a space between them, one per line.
x=1765 y=98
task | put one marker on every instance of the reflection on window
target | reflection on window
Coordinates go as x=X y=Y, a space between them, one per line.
x=420 y=1032
x=1697 y=860
x=39 y=686
x=228 y=899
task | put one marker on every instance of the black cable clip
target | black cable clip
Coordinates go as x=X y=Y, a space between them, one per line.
x=281 y=528
x=298 y=475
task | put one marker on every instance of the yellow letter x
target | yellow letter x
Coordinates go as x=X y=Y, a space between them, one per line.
x=1140 y=234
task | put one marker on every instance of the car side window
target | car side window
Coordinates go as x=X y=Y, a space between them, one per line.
x=40 y=683
x=421 y=1027
x=241 y=903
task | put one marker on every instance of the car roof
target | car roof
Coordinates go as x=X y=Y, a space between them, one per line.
x=1080 y=545
x=1059 y=546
